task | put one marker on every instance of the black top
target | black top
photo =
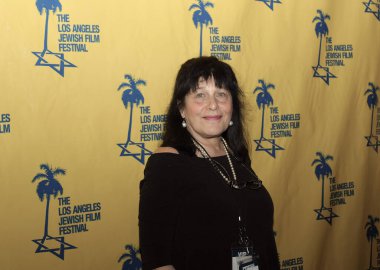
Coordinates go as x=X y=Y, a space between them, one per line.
x=188 y=215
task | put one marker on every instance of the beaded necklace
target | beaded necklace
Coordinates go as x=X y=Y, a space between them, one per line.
x=232 y=182
x=253 y=183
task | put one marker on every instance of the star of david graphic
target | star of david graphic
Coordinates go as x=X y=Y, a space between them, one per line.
x=268 y=145
x=325 y=213
x=54 y=245
x=140 y=147
x=373 y=141
x=323 y=73
x=375 y=10
x=55 y=61
x=270 y=3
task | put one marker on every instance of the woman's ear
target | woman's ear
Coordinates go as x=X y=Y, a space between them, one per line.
x=182 y=113
x=180 y=108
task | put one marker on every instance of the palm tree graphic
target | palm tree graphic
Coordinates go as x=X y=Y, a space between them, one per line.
x=372 y=233
x=62 y=63
x=131 y=257
x=263 y=99
x=322 y=170
x=47 y=5
x=47 y=187
x=321 y=30
x=131 y=96
x=201 y=17
x=372 y=101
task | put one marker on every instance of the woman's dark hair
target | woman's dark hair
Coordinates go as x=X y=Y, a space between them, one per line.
x=187 y=80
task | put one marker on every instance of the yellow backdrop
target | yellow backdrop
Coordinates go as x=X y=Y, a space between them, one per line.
x=84 y=89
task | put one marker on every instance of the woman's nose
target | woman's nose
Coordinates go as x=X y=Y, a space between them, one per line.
x=213 y=104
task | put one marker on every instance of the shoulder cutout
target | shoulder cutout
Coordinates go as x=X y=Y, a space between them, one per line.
x=167 y=150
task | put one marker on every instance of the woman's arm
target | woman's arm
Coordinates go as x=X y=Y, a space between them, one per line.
x=158 y=211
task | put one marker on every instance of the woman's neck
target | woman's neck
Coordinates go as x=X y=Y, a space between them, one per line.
x=213 y=146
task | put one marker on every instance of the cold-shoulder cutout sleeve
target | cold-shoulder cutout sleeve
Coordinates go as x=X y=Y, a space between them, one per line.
x=158 y=209
x=167 y=150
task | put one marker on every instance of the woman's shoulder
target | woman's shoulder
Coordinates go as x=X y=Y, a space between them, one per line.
x=165 y=157
x=166 y=149
x=165 y=165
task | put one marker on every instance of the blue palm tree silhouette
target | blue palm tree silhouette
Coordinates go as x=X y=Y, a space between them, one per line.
x=263 y=99
x=372 y=233
x=47 y=187
x=201 y=17
x=47 y=5
x=321 y=29
x=322 y=169
x=131 y=95
x=372 y=100
x=132 y=261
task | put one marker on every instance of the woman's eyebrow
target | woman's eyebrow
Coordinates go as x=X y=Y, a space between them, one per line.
x=199 y=87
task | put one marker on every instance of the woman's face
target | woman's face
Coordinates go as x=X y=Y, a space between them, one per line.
x=207 y=110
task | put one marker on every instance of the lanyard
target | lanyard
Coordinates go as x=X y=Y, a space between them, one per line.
x=243 y=253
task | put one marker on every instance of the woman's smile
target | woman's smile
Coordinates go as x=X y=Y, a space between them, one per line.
x=213 y=117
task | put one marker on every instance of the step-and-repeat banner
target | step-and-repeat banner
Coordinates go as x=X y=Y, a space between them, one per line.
x=84 y=89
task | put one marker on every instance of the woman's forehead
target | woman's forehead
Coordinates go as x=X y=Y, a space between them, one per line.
x=202 y=82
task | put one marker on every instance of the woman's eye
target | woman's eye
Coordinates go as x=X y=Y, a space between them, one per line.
x=222 y=95
x=200 y=95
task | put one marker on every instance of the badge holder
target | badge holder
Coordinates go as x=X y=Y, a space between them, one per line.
x=244 y=256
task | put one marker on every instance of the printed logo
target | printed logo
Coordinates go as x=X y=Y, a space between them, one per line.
x=72 y=37
x=335 y=54
x=5 y=126
x=322 y=171
x=372 y=101
x=270 y=3
x=75 y=218
x=72 y=218
x=221 y=46
x=152 y=126
x=321 y=29
x=264 y=99
x=131 y=259
x=372 y=234
x=48 y=58
x=132 y=96
x=201 y=17
x=340 y=191
x=292 y=264
x=373 y=6
x=50 y=187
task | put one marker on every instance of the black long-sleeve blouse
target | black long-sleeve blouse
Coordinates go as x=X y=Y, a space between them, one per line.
x=188 y=215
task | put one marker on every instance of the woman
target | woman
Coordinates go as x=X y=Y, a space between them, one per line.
x=201 y=204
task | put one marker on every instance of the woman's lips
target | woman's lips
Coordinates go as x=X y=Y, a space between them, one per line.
x=214 y=117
